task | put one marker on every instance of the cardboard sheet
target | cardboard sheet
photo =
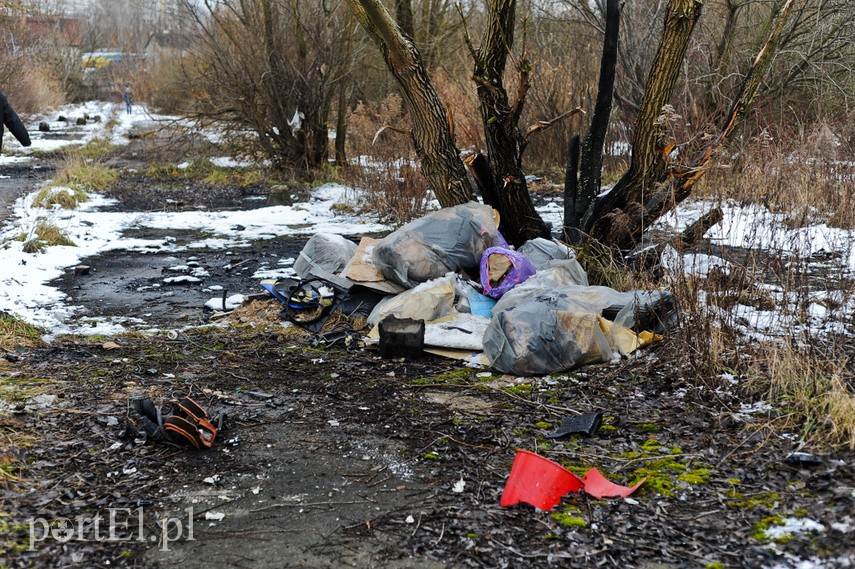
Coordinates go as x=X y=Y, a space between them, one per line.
x=361 y=269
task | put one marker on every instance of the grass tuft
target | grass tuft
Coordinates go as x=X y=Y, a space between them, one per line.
x=79 y=174
x=66 y=198
x=16 y=332
x=814 y=389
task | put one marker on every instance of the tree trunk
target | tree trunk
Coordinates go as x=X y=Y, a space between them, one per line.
x=505 y=143
x=404 y=17
x=591 y=166
x=678 y=184
x=647 y=165
x=571 y=191
x=341 y=123
x=440 y=159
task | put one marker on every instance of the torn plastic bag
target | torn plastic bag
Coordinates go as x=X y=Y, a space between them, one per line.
x=470 y=301
x=544 y=332
x=558 y=274
x=502 y=270
x=541 y=251
x=328 y=251
x=449 y=240
x=653 y=310
x=428 y=301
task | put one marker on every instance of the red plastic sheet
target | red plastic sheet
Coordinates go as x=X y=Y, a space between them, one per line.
x=538 y=481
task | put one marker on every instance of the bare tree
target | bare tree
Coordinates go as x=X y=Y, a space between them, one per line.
x=431 y=132
x=271 y=66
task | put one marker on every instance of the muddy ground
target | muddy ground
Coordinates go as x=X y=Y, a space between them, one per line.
x=331 y=458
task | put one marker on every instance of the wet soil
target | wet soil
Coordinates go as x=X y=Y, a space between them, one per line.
x=331 y=457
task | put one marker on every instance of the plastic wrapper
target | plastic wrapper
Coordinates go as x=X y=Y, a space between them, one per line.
x=327 y=251
x=502 y=270
x=449 y=240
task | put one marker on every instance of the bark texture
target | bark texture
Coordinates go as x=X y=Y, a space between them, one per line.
x=648 y=165
x=505 y=143
x=431 y=132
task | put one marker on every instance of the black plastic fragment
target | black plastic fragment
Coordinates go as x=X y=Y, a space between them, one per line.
x=803 y=459
x=587 y=424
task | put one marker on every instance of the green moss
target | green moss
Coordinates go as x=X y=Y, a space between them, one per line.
x=768 y=500
x=663 y=470
x=696 y=477
x=431 y=456
x=456 y=377
x=651 y=445
x=649 y=428
x=715 y=565
x=472 y=535
x=763 y=525
x=543 y=425
x=523 y=389
x=14 y=538
x=568 y=520
x=608 y=430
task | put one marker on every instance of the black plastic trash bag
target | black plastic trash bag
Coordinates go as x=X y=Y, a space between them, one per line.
x=449 y=240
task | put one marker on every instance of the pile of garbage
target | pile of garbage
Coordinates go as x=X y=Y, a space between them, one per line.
x=450 y=279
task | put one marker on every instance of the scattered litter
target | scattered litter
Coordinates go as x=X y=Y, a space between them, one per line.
x=215 y=516
x=333 y=423
x=110 y=345
x=587 y=424
x=185 y=422
x=458 y=486
x=410 y=519
x=538 y=481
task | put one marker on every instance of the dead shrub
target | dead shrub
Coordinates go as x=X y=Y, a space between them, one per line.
x=384 y=170
x=810 y=178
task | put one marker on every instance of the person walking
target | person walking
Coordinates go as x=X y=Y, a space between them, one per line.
x=10 y=120
x=127 y=98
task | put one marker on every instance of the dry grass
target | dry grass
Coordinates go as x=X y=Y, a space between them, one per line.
x=96 y=149
x=389 y=183
x=16 y=332
x=45 y=234
x=816 y=389
x=79 y=174
x=34 y=88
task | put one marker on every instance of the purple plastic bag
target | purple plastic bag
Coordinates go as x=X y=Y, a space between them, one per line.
x=520 y=270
